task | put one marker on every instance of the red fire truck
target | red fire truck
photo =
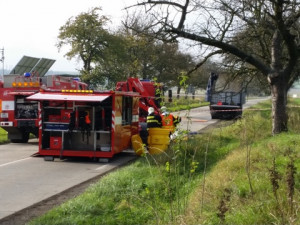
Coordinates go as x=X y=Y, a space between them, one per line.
x=86 y=123
x=151 y=96
x=150 y=92
x=18 y=116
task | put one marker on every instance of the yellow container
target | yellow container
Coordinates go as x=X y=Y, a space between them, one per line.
x=137 y=144
x=158 y=140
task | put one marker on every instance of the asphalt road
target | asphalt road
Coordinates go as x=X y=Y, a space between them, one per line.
x=199 y=118
x=26 y=179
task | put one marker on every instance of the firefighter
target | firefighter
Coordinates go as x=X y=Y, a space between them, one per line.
x=87 y=119
x=168 y=120
x=153 y=120
x=71 y=116
x=84 y=124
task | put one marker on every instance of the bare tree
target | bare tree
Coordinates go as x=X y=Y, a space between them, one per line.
x=270 y=27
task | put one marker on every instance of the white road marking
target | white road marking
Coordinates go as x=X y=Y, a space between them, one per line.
x=99 y=168
x=5 y=164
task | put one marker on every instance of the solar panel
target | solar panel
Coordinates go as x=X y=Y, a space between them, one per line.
x=43 y=66
x=24 y=65
x=32 y=64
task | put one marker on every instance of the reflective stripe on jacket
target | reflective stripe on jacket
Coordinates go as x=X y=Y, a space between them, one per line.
x=153 y=121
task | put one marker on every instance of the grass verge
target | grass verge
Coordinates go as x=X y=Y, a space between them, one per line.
x=231 y=175
x=3 y=136
x=185 y=103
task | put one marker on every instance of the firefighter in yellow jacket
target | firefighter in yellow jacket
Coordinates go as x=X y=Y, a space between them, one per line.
x=153 y=120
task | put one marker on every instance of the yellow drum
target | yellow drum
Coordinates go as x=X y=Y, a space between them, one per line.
x=158 y=140
x=137 y=144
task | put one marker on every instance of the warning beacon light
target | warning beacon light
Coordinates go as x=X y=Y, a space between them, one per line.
x=28 y=74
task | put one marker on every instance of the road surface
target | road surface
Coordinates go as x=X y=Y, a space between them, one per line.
x=199 y=118
x=26 y=179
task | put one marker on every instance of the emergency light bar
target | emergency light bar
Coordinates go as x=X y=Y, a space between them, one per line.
x=77 y=91
x=25 y=84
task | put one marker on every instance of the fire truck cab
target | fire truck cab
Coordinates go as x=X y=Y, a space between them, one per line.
x=86 y=123
x=18 y=116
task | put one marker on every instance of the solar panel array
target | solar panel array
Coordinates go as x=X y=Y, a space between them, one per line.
x=32 y=64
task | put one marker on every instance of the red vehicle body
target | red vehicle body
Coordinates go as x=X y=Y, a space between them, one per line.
x=64 y=130
x=150 y=92
x=19 y=117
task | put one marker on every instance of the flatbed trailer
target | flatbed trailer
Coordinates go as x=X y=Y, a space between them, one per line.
x=227 y=105
x=226 y=97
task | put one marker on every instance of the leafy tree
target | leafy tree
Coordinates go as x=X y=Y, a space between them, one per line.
x=272 y=27
x=87 y=37
x=159 y=59
x=110 y=57
x=148 y=58
x=199 y=76
x=113 y=66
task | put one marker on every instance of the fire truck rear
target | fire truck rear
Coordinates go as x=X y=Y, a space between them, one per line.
x=18 y=116
x=86 y=123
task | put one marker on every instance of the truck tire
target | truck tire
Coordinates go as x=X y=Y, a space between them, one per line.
x=48 y=158
x=214 y=116
x=24 y=139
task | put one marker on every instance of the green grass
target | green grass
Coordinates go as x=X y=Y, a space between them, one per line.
x=245 y=207
x=184 y=103
x=3 y=136
x=200 y=180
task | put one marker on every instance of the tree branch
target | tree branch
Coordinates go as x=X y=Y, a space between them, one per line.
x=225 y=47
x=204 y=60
x=183 y=15
x=153 y=2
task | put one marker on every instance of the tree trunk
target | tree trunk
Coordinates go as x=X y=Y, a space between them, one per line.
x=279 y=109
x=278 y=81
x=178 y=91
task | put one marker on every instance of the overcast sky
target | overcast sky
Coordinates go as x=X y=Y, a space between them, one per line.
x=30 y=27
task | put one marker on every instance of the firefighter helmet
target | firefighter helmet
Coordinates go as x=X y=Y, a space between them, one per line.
x=163 y=109
x=150 y=110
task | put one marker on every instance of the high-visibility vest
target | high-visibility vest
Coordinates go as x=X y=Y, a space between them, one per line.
x=168 y=122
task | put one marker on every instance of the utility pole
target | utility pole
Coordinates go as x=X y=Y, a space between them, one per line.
x=2 y=60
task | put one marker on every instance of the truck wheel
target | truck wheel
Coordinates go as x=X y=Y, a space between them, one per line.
x=24 y=139
x=48 y=158
x=213 y=116
x=103 y=160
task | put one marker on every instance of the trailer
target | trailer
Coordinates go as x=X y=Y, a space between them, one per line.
x=18 y=116
x=86 y=123
x=226 y=97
